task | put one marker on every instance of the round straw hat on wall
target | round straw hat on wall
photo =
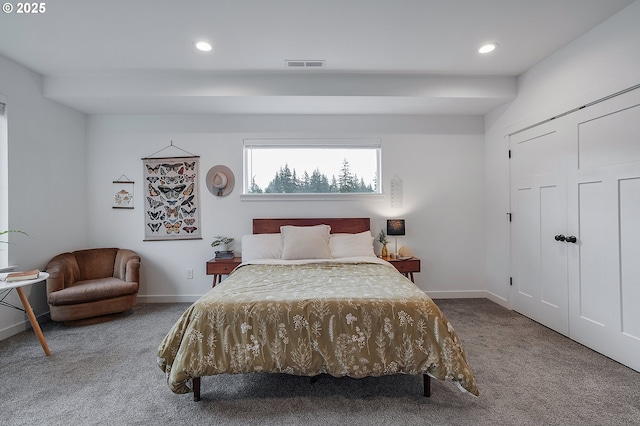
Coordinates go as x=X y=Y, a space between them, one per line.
x=220 y=180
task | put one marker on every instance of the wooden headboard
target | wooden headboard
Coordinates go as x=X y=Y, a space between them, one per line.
x=349 y=225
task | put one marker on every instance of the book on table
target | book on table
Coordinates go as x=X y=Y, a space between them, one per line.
x=226 y=254
x=22 y=276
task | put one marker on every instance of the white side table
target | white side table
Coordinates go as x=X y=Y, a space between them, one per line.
x=6 y=287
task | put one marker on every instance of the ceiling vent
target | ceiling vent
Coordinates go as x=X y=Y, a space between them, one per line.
x=304 y=64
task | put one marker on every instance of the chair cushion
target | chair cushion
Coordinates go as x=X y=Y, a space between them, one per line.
x=92 y=290
x=95 y=263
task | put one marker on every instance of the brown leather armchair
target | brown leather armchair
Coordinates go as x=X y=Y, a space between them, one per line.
x=90 y=286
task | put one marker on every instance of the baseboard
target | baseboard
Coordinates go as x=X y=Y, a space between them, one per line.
x=464 y=294
x=173 y=298
x=497 y=299
x=25 y=325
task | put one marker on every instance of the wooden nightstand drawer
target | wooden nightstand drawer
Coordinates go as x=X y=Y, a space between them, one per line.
x=409 y=265
x=405 y=267
x=219 y=267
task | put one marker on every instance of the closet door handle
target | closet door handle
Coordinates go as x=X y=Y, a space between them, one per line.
x=571 y=239
x=560 y=237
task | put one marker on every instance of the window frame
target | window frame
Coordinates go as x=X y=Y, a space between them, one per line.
x=328 y=143
x=4 y=185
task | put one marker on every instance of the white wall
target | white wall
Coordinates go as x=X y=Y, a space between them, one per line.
x=47 y=192
x=601 y=62
x=440 y=159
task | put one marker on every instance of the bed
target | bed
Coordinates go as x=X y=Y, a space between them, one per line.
x=311 y=298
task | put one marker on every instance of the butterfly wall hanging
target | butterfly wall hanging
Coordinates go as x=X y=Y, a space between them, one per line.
x=172 y=199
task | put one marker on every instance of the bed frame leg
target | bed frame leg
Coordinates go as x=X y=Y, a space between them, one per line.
x=195 y=382
x=427 y=385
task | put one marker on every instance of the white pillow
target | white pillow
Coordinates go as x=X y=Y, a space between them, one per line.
x=349 y=245
x=261 y=246
x=305 y=242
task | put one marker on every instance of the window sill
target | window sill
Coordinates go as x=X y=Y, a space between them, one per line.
x=312 y=197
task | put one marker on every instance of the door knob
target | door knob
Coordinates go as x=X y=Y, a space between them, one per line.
x=571 y=239
x=560 y=237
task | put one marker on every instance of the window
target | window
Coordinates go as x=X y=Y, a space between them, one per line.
x=4 y=182
x=311 y=166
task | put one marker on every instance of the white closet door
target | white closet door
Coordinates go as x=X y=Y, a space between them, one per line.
x=604 y=214
x=539 y=225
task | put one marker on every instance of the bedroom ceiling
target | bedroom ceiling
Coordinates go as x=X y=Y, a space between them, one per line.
x=380 y=56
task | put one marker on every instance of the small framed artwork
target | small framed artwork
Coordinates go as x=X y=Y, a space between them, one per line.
x=122 y=194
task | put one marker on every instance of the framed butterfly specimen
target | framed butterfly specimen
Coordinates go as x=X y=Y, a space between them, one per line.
x=122 y=193
x=172 y=198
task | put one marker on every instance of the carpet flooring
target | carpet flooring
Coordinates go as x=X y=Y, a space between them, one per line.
x=106 y=374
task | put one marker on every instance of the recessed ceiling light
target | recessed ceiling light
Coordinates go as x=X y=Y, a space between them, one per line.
x=205 y=46
x=489 y=47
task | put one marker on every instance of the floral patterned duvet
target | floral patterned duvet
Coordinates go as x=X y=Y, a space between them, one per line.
x=356 y=318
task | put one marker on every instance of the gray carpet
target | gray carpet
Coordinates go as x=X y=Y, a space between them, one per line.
x=106 y=374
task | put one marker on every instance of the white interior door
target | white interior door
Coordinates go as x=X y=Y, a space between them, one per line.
x=539 y=225
x=604 y=214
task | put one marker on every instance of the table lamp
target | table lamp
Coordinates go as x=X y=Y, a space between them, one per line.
x=395 y=227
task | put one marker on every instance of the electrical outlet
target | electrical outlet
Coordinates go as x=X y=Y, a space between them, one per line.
x=189 y=274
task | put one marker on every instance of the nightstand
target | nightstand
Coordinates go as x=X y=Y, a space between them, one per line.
x=406 y=267
x=220 y=267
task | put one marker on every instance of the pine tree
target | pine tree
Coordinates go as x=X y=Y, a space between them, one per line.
x=287 y=181
x=254 y=189
x=345 y=181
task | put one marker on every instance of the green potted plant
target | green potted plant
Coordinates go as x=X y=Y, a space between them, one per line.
x=12 y=230
x=222 y=243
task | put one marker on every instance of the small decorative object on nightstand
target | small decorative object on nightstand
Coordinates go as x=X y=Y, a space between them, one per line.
x=382 y=238
x=396 y=228
x=405 y=266
x=220 y=267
